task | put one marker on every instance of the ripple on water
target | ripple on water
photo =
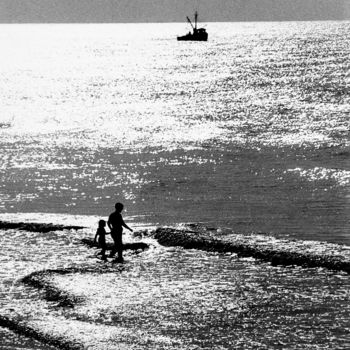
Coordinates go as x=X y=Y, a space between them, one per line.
x=172 y=298
x=190 y=299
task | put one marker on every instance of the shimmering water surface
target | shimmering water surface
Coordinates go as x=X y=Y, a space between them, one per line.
x=248 y=132
x=170 y=298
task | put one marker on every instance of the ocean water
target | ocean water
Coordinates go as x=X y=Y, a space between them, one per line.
x=246 y=133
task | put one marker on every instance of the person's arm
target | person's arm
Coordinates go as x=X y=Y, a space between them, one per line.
x=95 y=239
x=109 y=223
x=126 y=226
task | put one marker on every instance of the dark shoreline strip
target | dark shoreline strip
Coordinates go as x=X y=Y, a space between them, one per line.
x=22 y=329
x=40 y=280
x=126 y=246
x=194 y=240
x=36 y=227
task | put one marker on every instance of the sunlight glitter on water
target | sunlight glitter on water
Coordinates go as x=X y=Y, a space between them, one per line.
x=249 y=132
x=114 y=84
x=340 y=177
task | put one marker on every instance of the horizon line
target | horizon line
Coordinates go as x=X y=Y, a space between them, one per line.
x=160 y=22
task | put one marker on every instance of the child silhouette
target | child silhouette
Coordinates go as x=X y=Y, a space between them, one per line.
x=100 y=237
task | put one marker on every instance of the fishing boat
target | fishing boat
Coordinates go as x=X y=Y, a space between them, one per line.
x=198 y=34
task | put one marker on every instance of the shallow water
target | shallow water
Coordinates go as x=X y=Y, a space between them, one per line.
x=248 y=132
x=171 y=298
x=197 y=300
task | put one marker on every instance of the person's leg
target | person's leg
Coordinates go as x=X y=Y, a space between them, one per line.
x=103 y=253
x=120 y=248
x=115 y=246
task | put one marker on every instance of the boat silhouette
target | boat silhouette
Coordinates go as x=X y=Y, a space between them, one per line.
x=198 y=34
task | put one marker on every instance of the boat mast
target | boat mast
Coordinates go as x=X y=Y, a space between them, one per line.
x=195 y=19
x=189 y=21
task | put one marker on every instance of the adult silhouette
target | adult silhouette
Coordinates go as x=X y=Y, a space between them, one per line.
x=116 y=223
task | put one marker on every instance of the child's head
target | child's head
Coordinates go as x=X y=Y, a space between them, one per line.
x=101 y=223
x=119 y=207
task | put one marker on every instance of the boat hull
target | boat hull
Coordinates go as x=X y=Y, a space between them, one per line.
x=192 y=38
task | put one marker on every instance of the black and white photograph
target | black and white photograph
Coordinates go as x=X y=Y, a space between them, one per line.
x=175 y=174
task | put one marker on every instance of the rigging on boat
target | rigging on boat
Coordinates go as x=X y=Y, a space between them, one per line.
x=198 y=34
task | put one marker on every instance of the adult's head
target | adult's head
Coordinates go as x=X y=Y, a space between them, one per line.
x=119 y=207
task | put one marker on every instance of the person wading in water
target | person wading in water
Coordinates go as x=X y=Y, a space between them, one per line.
x=116 y=224
x=101 y=236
